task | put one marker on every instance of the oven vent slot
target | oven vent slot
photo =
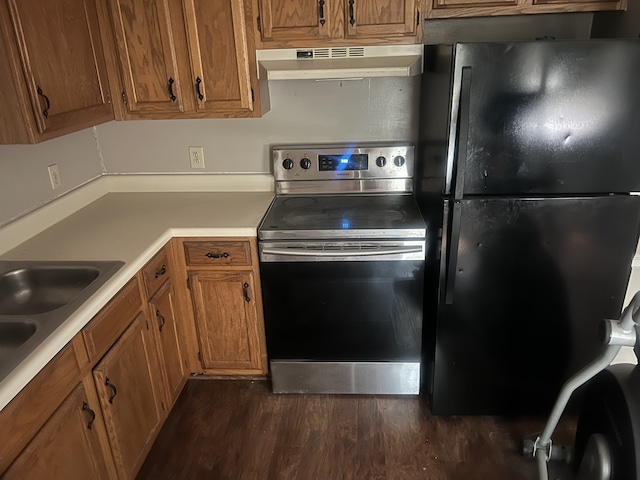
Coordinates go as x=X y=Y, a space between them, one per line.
x=338 y=248
x=335 y=52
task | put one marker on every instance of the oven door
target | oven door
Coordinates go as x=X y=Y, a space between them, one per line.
x=343 y=303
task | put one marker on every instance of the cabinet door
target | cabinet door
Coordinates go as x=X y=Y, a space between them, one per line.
x=147 y=53
x=61 y=58
x=127 y=380
x=220 y=70
x=381 y=18
x=163 y=313
x=291 y=20
x=226 y=319
x=68 y=445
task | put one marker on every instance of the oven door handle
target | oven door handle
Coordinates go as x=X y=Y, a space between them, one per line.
x=355 y=252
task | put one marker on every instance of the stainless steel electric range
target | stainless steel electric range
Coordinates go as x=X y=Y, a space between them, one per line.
x=342 y=253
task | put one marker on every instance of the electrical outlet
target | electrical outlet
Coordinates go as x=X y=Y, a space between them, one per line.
x=196 y=154
x=54 y=176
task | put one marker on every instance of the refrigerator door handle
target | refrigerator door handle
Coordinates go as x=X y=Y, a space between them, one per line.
x=452 y=263
x=463 y=131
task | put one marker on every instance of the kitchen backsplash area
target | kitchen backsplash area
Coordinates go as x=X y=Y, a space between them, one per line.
x=24 y=177
x=374 y=109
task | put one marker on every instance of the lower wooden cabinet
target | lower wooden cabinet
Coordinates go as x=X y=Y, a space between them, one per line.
x=71 y=445
x=132 y=400
x=94 y=411
x=217 y=281
x=226 y=319
x=163 y=313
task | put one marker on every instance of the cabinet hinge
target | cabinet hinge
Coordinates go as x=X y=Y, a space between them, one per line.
x=147 y=324
x=253 y=98
x=188 y=284
x=418 y=18
x=200 y=356
x=259 y=24
x=124 y=97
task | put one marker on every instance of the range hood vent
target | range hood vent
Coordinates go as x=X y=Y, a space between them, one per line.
x=340 y=62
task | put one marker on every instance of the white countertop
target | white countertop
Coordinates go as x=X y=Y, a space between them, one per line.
x=130 y=227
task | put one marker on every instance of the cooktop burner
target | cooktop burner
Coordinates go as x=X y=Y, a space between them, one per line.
x=374 y=216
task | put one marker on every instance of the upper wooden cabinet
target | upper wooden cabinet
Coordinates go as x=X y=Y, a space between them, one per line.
x=304 y=23
x=377 y=19
x=52 y=69
x=477 y=8
x=148 y=58
x=186 y=59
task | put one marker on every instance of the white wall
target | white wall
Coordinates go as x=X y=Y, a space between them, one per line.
x=24 y=178
x=301 y=111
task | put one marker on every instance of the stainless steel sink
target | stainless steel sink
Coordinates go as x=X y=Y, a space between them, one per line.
x=37 y=297
x=39 y=289
x=14 y=334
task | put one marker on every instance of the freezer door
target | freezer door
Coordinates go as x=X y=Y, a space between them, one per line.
x=524 y=287
x=559 y=117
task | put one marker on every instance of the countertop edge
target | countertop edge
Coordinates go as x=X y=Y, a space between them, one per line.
x=45 y=216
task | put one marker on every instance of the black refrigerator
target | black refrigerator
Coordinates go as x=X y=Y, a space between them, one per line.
x=528 y=153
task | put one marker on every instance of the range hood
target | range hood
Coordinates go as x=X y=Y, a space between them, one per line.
x=340 y=62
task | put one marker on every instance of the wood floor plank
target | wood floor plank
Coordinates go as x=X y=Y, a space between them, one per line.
x=238 y=429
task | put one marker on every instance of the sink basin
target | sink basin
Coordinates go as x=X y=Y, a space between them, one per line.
x=13 y=335
x=40 y=289
x=37 y=297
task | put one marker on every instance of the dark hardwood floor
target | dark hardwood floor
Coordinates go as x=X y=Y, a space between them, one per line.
x=237 y=429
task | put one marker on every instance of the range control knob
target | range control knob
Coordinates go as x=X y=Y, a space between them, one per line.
x=398 y=161
x=305 y=163
x=287 y=164
x=381 y=161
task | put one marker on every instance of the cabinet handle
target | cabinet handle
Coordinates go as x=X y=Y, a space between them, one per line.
x=161 y=318
x=85 y=408
x=245 y=291
x=45 y=112
x=217 y=255
x=171 y=95
x=321 y=5
x=198 y=82
x=352 y=17
x=161 y=272
x=112 y=387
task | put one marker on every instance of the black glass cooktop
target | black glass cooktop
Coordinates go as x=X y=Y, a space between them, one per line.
x=342 y=216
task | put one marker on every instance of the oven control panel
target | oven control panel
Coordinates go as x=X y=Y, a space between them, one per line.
x=340 y=162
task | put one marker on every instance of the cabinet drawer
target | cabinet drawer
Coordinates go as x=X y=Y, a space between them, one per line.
x=217 y=253
x=112 y=320
x=156 y=272
x=21 y=419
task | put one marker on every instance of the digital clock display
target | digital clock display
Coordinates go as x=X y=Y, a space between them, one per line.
x=348 y=161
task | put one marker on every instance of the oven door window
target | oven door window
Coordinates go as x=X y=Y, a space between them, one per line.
x=343 y=311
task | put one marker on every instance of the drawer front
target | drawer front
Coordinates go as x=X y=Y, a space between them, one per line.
x=156 y=272
x=105 y=328
x=217 y=253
